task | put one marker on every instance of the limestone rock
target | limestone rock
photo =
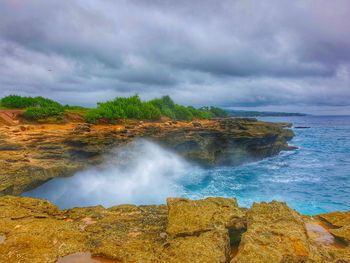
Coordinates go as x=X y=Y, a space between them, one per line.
x=33 y=230
x=208 y=247
x=339 y=223
x=190 y=217
x=82 y=128
x=275 y=233
x=37 y=154
x=343 y=233
x=337 y=219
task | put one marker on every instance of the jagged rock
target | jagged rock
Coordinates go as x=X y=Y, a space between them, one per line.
x=339 y=223
x=82 y=128
x=187 y=217
x=276 y=233
x=197 y=124
x=337 y=219
x=207 y=247
x=33 y=230
x=342 y=233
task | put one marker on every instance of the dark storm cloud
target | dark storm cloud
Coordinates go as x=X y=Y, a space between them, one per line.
x=228 y=53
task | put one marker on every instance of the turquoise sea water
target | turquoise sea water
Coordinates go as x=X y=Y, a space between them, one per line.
x=313 y=179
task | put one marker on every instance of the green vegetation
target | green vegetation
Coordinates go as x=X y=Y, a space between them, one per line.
x=134 y=108
x=169 y=109
x=35 y=107
x=39 y=108
x=123 y=108
x=166 y=106
x=218 y=112
x=18 y=102
x=37 y=113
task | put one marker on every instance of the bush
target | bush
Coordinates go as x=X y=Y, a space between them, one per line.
x=122 y=108
x=166 y=106
x=218 y=112
x=150 y=112
x=15 y=101
x=200 y=113
x=182 y=113
x=119 y=108
x=92 y=116
x=36 y=113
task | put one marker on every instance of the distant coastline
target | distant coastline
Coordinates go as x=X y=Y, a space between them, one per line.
x=242 y=113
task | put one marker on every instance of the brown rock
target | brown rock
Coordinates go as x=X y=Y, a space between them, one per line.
x=34 y=230
x=276 y=233
x=82 y=128
x=208 y=247
x=337 y=219
x=342 y=233
x=190 y=217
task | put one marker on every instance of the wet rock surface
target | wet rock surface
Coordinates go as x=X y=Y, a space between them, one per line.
x=31 y=154
x=209 y=230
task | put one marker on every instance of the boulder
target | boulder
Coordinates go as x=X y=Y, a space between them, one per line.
x=275 y=233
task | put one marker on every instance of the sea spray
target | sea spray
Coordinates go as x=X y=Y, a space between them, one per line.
x=139 y=173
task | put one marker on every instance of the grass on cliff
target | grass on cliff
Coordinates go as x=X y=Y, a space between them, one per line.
x=121 y=108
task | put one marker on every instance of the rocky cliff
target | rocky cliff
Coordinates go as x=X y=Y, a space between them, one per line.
x=32 y=154
x=204 y=231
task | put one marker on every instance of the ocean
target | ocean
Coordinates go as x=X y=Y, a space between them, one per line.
x=313 y=179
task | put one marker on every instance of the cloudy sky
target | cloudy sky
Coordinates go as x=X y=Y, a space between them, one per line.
x=241 y=54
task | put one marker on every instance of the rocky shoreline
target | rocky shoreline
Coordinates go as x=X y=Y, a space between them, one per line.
x=31 y=154
x=210 y=230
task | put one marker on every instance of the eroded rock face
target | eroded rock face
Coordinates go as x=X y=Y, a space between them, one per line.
x=276 y=233
x=33 y=154
x=33 y=230
x=207 y=247
x=339 y=224
x=187 y=217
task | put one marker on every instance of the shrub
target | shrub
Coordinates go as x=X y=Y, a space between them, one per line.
x=15 y=101
x=218 y=112
x=36 y=113
x=150 y=112
x=182 y=113
x=122 y=108
x=92 y=116
x=166 y=106
x=200 y=113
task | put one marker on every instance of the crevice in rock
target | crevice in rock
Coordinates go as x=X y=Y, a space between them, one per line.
x=196 y=233
x=235 y=236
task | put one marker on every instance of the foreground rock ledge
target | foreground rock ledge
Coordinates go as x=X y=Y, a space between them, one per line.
x=210 y=230
x=32 y=154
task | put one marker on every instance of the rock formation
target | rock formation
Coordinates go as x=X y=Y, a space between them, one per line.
x=33 y=154
x=210 y=230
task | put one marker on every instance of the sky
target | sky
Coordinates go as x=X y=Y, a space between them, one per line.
x=277 y=55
